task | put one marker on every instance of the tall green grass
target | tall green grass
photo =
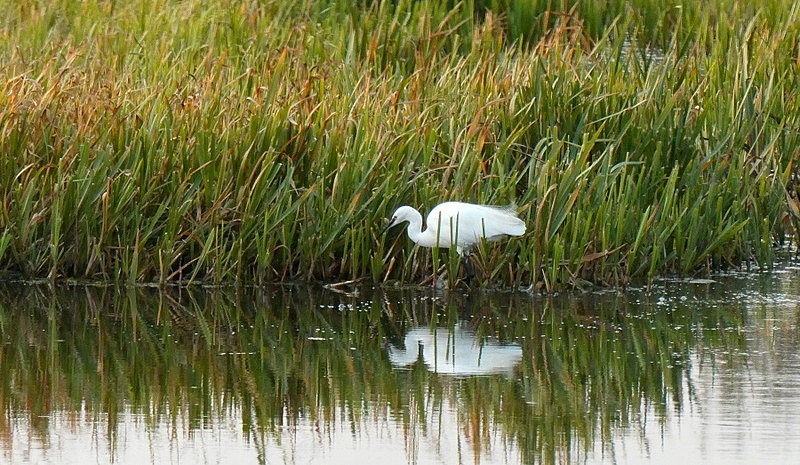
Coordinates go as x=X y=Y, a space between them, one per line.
x=158 y=141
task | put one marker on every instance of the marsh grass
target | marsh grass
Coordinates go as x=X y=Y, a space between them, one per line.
x=200 y=142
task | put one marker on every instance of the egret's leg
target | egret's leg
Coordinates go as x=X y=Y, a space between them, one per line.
x=469 y=268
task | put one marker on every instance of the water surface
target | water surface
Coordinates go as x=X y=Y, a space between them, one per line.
x=686 y=373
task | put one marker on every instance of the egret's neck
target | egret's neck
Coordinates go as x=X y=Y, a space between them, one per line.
x=415 y=232
x=414 y=226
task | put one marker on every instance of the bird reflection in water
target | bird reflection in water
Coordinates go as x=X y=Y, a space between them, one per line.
x=455 y=352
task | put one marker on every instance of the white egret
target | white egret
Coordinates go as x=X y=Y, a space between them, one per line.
x=458 y=224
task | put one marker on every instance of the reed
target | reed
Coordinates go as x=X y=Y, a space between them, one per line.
x=251 y=142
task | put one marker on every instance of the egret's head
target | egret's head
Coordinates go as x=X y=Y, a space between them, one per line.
x=401 y=215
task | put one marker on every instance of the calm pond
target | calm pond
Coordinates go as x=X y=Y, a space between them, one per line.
x=690 y=372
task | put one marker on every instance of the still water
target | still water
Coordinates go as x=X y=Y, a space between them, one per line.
x=689 y=372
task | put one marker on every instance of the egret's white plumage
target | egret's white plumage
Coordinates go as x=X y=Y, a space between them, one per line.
x=458 y=224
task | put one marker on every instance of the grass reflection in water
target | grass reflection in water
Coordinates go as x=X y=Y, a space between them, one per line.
x=272 y=361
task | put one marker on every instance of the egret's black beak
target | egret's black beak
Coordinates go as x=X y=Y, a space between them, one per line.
x=391 y=223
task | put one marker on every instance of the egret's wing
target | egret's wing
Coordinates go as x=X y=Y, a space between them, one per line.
x=493 y=221
x=470 y=222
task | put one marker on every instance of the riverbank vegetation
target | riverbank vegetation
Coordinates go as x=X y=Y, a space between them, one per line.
x=215 y=142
